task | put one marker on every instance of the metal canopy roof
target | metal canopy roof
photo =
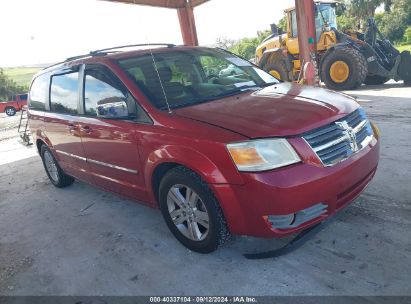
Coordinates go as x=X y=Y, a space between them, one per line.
x=164 y=3
x=185 y=13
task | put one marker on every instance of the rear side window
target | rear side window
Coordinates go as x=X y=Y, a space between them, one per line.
x=39 y=92
x=64 y=93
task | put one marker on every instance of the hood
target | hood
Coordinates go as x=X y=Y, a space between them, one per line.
x=284 y=109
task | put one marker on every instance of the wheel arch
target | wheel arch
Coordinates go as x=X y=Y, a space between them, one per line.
x=231 y=209
x=164 y=159
x=42 y=141
x=39 y=143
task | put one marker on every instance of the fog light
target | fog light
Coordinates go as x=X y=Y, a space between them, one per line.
x=281 y=221
x=296 y=219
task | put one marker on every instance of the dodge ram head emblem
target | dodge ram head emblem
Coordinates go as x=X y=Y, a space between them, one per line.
x=349 y=134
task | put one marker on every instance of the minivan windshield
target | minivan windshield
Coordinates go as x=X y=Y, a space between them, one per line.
x=188 y=77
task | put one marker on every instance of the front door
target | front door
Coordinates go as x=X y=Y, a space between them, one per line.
x=110 y=144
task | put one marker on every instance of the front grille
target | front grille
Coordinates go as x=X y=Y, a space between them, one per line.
x=337 y=141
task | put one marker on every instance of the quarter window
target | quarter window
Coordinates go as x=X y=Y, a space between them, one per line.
x=39 y=92
x=64 y=93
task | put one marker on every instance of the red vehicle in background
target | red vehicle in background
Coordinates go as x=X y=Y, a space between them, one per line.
x=16 y=103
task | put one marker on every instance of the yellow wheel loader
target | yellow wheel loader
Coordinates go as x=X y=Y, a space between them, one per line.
x=345 y=60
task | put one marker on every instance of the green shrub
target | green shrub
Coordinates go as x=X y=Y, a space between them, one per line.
x=407 y=36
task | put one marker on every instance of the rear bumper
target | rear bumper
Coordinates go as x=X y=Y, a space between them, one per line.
x=289 y=190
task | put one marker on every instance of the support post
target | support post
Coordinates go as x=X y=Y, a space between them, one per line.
x=305 y=11
x=187 y=24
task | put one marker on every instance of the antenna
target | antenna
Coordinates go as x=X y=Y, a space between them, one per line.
x=158 y=75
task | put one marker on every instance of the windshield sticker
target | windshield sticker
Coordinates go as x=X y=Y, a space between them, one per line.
x=238 y=61
x=245 y=84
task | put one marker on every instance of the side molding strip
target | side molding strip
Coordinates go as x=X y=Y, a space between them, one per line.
x=98 y=162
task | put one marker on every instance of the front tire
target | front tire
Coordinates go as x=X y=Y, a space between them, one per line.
x=10 y=111
x=191 y=211
x=277 y=69
x=56 y=175
x=344 y=69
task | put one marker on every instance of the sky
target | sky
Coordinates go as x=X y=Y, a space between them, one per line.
x=47 y=31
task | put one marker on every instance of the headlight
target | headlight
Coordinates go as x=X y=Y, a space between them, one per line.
x=264 y=154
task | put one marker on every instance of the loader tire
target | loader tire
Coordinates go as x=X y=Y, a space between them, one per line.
x=375 y=80
x=344 y=69
x=277 y=69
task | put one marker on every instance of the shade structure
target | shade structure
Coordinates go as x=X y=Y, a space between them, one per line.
x=185 y=11
x=164 y=3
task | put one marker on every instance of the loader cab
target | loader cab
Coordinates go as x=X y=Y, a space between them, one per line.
x=325 y=22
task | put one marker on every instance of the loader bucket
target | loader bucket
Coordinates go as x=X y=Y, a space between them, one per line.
x=404 y=68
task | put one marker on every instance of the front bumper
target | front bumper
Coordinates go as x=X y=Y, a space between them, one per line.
x=290 y=190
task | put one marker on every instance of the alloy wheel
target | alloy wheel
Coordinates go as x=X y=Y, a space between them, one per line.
x=188 y=212
x=51 y=166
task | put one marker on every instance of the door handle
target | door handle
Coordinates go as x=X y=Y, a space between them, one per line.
x=86 y=129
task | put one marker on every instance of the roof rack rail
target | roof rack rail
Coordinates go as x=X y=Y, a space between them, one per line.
x=97 y=52
x=103 y=52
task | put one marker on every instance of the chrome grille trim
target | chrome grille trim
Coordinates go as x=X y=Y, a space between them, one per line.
x=339 y=140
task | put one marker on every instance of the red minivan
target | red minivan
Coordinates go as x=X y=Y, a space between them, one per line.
x=218 y=154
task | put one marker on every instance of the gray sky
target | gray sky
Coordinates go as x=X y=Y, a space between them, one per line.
x=44 y=31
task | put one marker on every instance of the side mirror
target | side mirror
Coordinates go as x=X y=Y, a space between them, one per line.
x=113 y=107
x=274 y=29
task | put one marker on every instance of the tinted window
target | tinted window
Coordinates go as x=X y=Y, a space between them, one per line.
x=64 y=93
x=39 y=92
x=23 y=97
x=181 y=78
x=101 y=87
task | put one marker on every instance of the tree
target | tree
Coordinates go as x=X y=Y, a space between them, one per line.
x=8 y=87
x=224 y=43
x=364 y=9
x=282 y=24
x=244 y=47
x=393 y=24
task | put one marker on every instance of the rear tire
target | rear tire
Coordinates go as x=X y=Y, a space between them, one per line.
x=10 y=111
x=56 y=175
x=277 y=69
x=201 y=210
x=344 y=69
x=375 y=80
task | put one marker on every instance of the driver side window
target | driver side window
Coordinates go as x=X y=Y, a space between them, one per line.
x=100 y=89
